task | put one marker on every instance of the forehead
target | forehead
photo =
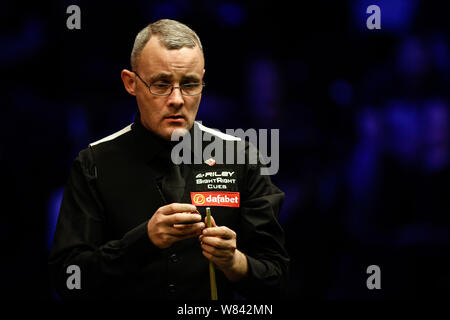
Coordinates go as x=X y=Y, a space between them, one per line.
x=155 y=58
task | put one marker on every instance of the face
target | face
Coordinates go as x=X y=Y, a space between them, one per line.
x=163 y=114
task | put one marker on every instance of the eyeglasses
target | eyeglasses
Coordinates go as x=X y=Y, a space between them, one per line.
x=165 y=89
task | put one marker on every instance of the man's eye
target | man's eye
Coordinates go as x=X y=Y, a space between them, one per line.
x=191 y=85
x=161 y=85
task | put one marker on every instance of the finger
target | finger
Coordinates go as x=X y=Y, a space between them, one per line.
x=180 y=218
x=208 y=256
x=218 y=253
x=191 y=226
x=218 y=243
x=183 y=236
x=194 y=232
x=223 y=232
x=182 y=223
x=195 y=228
x=213 y=222
x=178 y=207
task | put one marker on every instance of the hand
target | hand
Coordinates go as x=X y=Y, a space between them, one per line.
x=174 y=222
x=219 y=246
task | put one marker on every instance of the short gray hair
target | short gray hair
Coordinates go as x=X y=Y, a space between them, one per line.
x=172 y=35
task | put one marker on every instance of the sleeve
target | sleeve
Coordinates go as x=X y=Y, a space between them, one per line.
x=80 y=238
x=262 y=239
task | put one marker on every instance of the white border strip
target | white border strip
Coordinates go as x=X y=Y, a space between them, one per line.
x=112 y=136
x=221 y=135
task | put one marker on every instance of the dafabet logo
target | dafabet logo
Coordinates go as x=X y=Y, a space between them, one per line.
x=198 y=199
x=218 y=199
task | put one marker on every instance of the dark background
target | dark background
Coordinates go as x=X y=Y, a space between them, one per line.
x=363 y=118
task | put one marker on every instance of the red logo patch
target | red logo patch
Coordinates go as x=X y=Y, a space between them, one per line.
x=210 y=162
x=217 y=199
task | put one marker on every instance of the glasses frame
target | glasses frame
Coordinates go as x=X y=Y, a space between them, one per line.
x=148 y=85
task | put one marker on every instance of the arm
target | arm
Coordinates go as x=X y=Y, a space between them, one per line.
x=219 y=245
x=259 y=264
x=81 y=238
x=261 y=238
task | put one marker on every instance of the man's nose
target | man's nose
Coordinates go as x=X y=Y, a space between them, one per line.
x=176 y=98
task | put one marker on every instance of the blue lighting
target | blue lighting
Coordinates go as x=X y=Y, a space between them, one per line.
x=54 y=203
x=166 y=11
x=231 y=13
x=439 y=51
x=411 y=57
x=396 y=15
x=18 y=46
x=341 y=92
x=77 y=123
x=293 y=197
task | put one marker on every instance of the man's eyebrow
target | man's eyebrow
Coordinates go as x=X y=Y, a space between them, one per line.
x=161 y=76
x=168 y=77
x=191 y=78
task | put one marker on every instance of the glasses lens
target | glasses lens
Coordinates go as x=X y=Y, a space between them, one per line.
x=191 y=88
x=160 y=88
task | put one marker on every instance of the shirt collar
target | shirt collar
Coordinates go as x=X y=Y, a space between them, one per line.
x=150 y=145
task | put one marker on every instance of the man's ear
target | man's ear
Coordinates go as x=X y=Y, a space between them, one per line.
x=129 y=81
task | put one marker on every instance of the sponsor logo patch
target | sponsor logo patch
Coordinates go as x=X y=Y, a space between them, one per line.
x=212 y=174
x=218 y=199
x=210 y=162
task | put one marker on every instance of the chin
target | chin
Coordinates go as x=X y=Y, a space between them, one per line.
x=177 y=133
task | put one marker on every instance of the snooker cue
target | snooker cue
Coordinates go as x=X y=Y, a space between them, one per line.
x=212 y=272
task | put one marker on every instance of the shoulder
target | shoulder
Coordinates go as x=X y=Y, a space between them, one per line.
x=235 y=147
x=114 y=142
x=232 y=143
x=105 y=147
x=113 y=138
x=216 y=133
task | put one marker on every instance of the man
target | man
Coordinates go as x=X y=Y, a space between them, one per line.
x=126 y=219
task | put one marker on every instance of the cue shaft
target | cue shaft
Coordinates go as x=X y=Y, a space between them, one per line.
x=212 y=271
